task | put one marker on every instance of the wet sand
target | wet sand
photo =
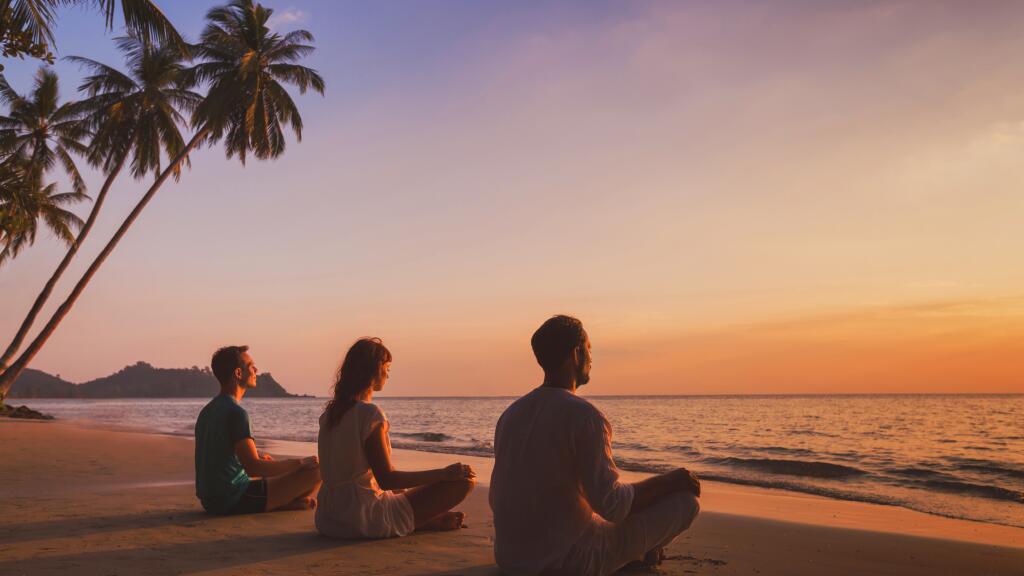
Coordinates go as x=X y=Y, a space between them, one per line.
x=79 y=500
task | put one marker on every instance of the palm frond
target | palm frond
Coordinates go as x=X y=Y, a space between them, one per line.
x=283 y=52
x=7 y=94
x=25 y=202
x=287 y=111
x=104 y=79
x=301 y=77
x=62 y=223
x=45 y=91
x=144 y=18
x=77 y=182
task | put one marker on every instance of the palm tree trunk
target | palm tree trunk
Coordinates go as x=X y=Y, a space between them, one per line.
x=11 y=374
x=37 y=306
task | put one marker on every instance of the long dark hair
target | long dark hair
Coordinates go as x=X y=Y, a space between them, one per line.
x=362 y=365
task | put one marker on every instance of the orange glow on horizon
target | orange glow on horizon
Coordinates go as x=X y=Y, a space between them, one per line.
x=960 y=346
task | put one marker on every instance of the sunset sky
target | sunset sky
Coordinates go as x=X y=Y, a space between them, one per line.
x=735 y=197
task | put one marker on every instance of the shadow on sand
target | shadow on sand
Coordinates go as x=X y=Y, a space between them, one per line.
x=218 y=543
x=89 y=525
x=218 y=554
x=482 y=570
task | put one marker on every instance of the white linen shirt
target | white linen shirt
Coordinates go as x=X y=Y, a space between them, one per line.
x=553 y=470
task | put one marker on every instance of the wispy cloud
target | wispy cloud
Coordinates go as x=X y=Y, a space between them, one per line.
x=284 y=17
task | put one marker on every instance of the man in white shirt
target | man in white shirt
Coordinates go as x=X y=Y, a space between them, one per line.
x=559 y=507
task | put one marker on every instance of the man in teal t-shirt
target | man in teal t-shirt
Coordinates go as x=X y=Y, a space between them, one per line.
x=220 y=477
x=231 y=476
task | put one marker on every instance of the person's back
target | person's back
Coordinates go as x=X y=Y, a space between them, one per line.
x=549 y=466
x=220 y=478
x=559 y=507
x=340 y=447
x=363 y=495
x=351 y=504
x=232 y=477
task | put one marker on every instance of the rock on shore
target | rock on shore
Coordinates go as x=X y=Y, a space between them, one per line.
x=23 y=412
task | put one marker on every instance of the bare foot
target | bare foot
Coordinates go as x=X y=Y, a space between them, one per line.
x=651 y=561
x=303 y=503
x=655 y=557
x=445 y=522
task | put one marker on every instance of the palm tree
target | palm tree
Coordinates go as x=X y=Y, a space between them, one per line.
x=25 y=202
x=133 y=114
x=41 y=129
x=40 y=133
x=244 y=64
x=35 y=19
x=137 y=113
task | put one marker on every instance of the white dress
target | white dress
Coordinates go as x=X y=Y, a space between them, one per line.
x=351 y=504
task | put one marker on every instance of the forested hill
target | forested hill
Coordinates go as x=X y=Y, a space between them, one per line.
x=139 y=380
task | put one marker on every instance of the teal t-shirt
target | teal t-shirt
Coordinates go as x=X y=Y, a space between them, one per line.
x=220 y=478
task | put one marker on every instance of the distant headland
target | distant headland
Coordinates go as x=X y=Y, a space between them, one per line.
x=140 y=380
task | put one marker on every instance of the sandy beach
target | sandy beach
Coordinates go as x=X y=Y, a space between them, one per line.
x=90 y=501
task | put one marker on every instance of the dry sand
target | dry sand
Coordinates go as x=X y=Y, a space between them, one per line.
x=80 y=500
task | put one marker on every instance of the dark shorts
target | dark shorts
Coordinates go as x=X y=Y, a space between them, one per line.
x=254 y=500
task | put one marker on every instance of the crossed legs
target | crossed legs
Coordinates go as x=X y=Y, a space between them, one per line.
x=606 y=547
x=432 y=504
x=294 y=490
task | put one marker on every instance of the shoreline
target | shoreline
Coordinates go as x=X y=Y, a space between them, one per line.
x=911 y=521
x=306 y=448
x=132 y=510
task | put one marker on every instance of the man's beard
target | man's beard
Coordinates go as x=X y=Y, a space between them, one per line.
x=582 y=378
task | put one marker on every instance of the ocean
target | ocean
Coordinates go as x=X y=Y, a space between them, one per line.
x=960 y=456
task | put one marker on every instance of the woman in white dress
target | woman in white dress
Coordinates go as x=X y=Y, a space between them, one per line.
x=362 y=495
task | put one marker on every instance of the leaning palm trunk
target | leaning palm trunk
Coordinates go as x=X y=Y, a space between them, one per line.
x=11 y=374
x=37 y=306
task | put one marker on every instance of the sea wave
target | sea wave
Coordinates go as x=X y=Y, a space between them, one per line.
x=987 y=466
x=782 y=450
x=424 y=436
x=982 y=490
x=816 y=490
x=840 y=494
x=643 y=465
x=762 y=482
x=684 y=449
x=632 y=446
x=637 y=447
x=914 y=472
x=797 y=486
x=299 y=437
x=994 y=469
x=468 y=450
x=809 y=432
x=808 y=468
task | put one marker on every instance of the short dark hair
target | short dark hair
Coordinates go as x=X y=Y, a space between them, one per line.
x=225 y=361
x=555 y=340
